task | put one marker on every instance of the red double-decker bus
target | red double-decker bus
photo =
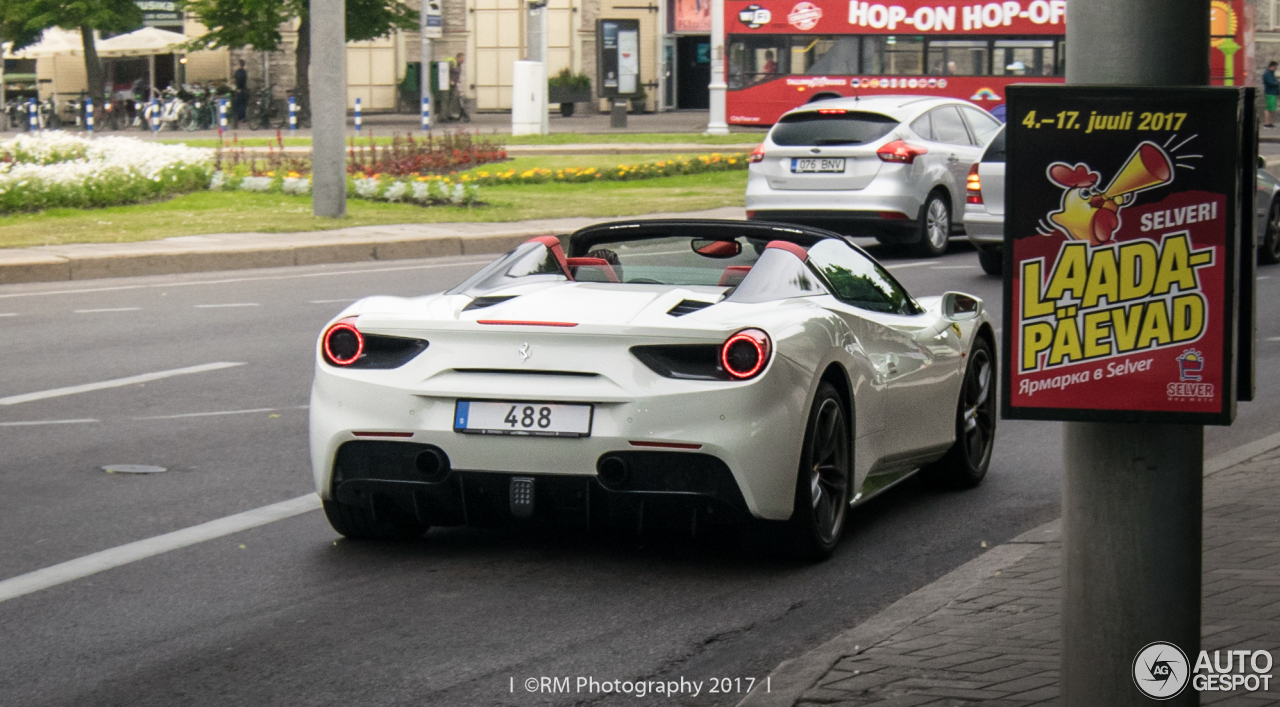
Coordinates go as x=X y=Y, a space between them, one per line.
x=783 y=53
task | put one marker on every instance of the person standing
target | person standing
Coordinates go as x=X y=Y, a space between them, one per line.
x=1271 y=91
x=240 y=101
x=456 y=97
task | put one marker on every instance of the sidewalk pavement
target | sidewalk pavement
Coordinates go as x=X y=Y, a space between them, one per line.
x=236 y=251
x=989 y=632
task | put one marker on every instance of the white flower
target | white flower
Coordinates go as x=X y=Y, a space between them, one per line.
x=422 y=192
x=218 y=181
x=367 y=187
x=395 y=191
x=255 y=183
x=296 y=185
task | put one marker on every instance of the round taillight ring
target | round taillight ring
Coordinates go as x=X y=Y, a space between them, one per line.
x=337 y=344
x=745 y=354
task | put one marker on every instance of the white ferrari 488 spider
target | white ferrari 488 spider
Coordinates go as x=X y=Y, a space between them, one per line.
x=695 y=370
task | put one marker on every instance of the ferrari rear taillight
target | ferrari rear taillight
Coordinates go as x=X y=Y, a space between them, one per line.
x=342 y=343
x=757 y=155
x=973 y=185
x=901 y=152
x=745 y=353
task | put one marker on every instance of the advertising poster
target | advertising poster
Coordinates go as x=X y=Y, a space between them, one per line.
x=1120 y=253
x=692 y=15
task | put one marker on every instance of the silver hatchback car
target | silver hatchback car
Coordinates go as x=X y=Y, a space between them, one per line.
x=893 y=167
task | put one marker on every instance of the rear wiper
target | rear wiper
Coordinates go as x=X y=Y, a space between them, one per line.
x=836 y=141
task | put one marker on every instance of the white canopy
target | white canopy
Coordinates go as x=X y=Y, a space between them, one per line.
x=54 y=42
x=144 y=42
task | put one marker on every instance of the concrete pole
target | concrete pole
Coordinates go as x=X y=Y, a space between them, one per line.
x=428 y=55
x=328 y=108
x=716 y=125
x=1131 y=498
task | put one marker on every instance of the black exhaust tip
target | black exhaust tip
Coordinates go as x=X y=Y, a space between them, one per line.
x=432 y=464
x=613 y=471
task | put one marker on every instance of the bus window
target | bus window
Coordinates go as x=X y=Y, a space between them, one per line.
x=959 y=57
x=1023 y=57
x=757 y=58
x=893 y=55
x=824 y=56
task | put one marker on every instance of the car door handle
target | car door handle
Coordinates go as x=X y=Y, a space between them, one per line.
x=953 y=158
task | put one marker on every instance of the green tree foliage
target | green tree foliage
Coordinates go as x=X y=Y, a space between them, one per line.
x=256 y=23
x=23 y=21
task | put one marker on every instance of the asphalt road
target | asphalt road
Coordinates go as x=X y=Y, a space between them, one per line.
x=287 y=613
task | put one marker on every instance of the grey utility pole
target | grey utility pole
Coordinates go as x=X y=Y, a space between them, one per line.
x=328 y=108
x=1131 y=497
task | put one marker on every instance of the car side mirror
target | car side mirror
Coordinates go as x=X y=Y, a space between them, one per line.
x=708 y=248
x=959 y=307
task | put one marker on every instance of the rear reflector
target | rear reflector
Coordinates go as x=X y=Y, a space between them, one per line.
x=665 y=445
x=382 y=434
x=515 y=322
x=893 y=216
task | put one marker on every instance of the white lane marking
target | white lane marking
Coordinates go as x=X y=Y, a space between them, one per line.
x=955 y=267
x=9 y=314
x=46 y=422
x=247 y=279
x=1273 y=338
x=142 y=549
x=330 y=301
x=230 y=304
x=1264 y=277
x=907 y=265
x=116 y=383
x=111 y=309
x=204 y=414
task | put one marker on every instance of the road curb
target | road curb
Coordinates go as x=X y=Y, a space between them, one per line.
x=793 y=677
x=246 y=251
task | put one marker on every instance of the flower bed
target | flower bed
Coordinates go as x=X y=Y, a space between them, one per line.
x=55 y=169
x=622 y=173
x=425 y=191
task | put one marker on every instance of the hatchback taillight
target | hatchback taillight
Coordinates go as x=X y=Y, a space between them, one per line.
x=973 y=185
x=757 y=155
x=901 y=152
x=745 y=354
x=342 y=343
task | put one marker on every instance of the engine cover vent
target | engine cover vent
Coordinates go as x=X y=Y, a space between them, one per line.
x=688 y=306
x=482 y=302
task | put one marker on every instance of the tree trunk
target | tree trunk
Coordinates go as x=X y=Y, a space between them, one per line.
x=302 y=66
x=92 y=65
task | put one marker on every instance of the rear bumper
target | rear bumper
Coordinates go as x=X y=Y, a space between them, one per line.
x=984 y=229
x=849 y=223
x=638 y=485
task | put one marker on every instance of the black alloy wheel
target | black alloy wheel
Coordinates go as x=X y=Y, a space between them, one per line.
x=824 y=481
x=1269 y=253
x=965 y=464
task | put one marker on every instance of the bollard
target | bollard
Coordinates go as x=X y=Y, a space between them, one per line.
x=357 y=115
x=88 y=114
x=293 y=113
x=33 y=115
x=155 y=116
x=426 y=113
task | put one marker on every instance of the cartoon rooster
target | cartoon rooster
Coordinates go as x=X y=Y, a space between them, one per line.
x=1090 y=214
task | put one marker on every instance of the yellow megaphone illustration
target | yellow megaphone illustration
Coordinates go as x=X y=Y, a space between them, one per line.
x=1148 y=167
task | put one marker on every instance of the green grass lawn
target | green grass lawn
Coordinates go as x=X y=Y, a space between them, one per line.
x=553 y=139
x=238 y=212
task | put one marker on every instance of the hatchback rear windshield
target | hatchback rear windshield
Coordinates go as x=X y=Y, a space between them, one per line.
x=995 y=151
x=811 y=128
